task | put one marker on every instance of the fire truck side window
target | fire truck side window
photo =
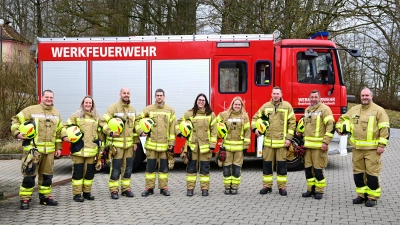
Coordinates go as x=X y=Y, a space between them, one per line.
x=263 y=73
x=314 y=70
x=232 y=77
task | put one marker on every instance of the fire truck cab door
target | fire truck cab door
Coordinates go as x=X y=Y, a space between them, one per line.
x=231 y=77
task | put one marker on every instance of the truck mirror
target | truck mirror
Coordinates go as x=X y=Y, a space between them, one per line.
x=310 y=53
x=355 y=52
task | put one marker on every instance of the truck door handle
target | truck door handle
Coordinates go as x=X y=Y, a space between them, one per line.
x=298 y=110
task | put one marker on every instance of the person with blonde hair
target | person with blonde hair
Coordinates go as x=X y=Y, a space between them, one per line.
x=83 y=151
x=235 y=143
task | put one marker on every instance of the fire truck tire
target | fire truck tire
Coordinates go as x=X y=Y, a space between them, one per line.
x=138 y=157
x=295 y=165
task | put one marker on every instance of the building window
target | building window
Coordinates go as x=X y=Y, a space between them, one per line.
x=232 y=77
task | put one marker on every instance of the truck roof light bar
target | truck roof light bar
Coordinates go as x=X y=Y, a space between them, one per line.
x=233 y=44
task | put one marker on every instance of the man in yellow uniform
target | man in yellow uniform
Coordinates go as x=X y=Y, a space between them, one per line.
x=318 y=132
x=124 y=142
x=369 y=127
x=48 y=127
x=278 y=137
x=160 y=140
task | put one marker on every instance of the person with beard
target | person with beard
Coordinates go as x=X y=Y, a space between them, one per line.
x=159 y=140
x=48 y=125
x=201 y=142
x=369 y=135
x=125 y=144
x=318 y=133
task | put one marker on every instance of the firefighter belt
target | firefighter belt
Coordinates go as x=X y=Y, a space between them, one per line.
x=31 y=161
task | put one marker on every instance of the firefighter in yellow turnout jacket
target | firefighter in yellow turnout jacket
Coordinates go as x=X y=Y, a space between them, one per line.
x=318 y=132
x=368 y=124
x=159 y=140
x=124 y=142
x=83 y=151
x=201 y=143
x=48 y=126
x=282 y=123
x=236 y=142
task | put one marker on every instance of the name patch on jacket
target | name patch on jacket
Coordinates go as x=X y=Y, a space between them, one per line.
x=44 y=116
x=123 y=114
x=309 y=114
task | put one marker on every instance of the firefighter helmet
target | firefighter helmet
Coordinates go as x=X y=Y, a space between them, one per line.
x=74 y=133
x=186 y=128
x=300 y=125
x=344 y=128
x=116 y=125
x=262 y=126
x=146 y=124
x=222 y=130
x=28 y=129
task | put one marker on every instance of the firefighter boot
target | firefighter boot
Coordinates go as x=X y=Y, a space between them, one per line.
x=318 y=195
x=308 y=194
x=282 y=191
x=234 y=191
x=47 y=201
x=189 y=192
x=370 y=202
x=227 y=191
x=88 y=196
x=24 y=204
x=128 y=193
x=265 y=190
x=147 y=192
x=78 y=198
x=114 y=195
x=204 y=192
x=165 y=192
x=360 y=200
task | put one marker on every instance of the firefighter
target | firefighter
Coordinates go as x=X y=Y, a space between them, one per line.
x=83 y=150
x=318 y=132
x=123 y=141
x=369 y=128
x=201 y=143
x=282 y=123
x=159 y=140
x=47 y=142
x=235 y=143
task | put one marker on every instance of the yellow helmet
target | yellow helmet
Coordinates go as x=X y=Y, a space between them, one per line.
x=146 y=124
x=222 y=130
x=300 y=125
x=262 y=126
x=344 y=127
x=28 y=129
x=116 y=125
x=186 y=128
x=74 y=133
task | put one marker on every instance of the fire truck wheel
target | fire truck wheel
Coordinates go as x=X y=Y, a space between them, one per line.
x=295 y=165
x=139 y=157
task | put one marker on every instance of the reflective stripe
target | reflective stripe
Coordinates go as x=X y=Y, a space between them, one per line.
x=236 y=180
x=329 y=134
x=126 y=182
x=191 y=178
x=233 y=147
x=156 y=146
x=370 y=128
x=228 y=180
x=363 y=143
x=77 y=182
x=383 y=141
x=312 y=144
x=150 y=176
x=44 y=189
x=267 y=178
x=204 y=179
x=274 y=143
x=282 y=179
x=383 y=124
x=313 y=138
x=327 y=118
x=163 y=176
x=311 y=182
x=375 y=193
x=320 y=183
x=25 y=191
x=362 y=190
x=88 y=182
x=113 y=184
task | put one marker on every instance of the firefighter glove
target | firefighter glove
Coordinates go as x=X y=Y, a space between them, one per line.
x=31 y=161
x=300 y=151
x=171 y=159
x=222 y=154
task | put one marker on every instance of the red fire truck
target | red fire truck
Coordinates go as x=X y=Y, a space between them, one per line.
x=220 y=66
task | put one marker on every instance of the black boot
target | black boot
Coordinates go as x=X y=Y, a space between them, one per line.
x=282 y=191
x=24 y=204
x=265 y=190
x=48 y=201
x=359 y=200
x=189 y=192
x=114 y=195
x=204 y=192
x=165 y=192
x=78 y=198
x=128 y=193
x=227 y=191
x=370 y=202
x=318 y=195
x=234 y=191
x=308 y=194
x=147 y=192
x=88 y=196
